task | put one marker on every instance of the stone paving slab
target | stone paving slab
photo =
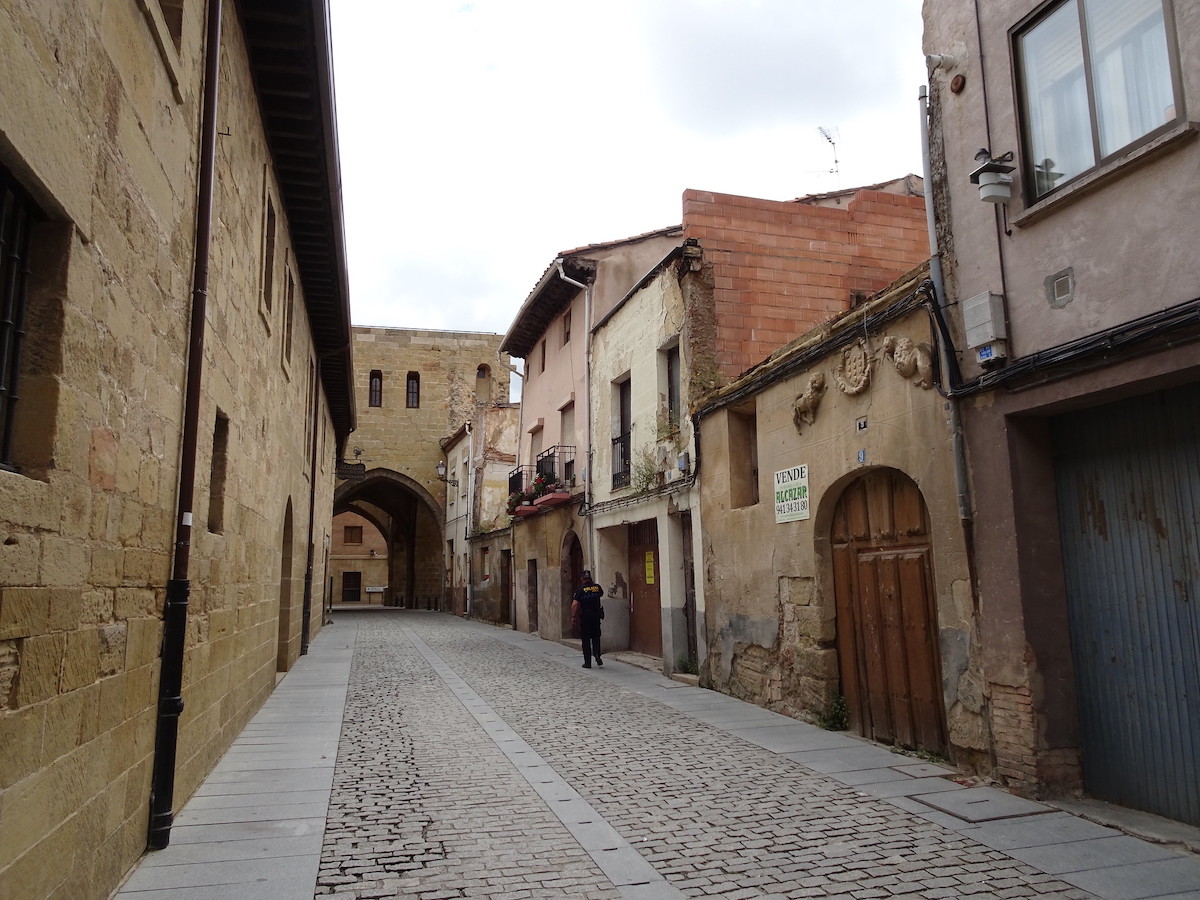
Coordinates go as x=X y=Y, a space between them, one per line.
x=254 y=829
x=982 y=804
x=483 y=763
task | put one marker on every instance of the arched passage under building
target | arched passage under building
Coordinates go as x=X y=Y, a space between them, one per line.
x=411 y=522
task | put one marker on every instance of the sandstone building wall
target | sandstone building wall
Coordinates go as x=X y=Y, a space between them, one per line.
x=98 y=134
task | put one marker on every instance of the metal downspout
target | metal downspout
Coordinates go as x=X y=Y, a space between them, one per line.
x=170 y=701
x=949 y=362
x=305 y=629
x=467 y=518
x=587 y=392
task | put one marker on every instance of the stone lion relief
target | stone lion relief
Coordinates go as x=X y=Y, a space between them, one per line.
x=804 y=410
x=910 y=359
x=853 y=373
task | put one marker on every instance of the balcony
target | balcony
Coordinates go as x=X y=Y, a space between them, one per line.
x=545 y=484
x=557 y=465
x=620 y=461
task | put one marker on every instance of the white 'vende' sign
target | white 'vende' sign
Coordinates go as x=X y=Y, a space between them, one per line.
x=791 y=494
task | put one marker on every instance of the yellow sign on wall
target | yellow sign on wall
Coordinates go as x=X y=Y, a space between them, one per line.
x=649 y=567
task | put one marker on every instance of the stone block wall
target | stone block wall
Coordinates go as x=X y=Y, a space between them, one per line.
x=99 y=126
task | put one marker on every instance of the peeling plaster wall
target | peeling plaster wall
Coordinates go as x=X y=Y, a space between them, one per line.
x=769 y=587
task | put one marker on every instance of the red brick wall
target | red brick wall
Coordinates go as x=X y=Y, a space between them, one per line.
x=781 y=268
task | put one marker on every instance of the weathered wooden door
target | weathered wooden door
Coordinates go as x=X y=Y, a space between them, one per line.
x=570 y=577
x=1128 y=478
x=886 y=619
x=531 y=593
x=506 y=591
x=645 y=613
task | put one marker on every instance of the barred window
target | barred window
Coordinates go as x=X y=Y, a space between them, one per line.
x=413 y=396
x=18 y=214
x=375 y=388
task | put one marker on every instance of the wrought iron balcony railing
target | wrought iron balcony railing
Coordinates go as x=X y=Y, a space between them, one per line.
x=620 y=461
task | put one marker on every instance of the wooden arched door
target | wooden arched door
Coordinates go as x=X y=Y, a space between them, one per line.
x=886 y=618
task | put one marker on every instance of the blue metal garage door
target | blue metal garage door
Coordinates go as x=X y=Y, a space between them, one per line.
x=1129 y=500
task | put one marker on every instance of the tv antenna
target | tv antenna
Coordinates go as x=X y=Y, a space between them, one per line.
x=829 y=137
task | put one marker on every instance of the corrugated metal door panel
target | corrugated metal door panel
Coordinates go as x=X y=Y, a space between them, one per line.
x=1128 y=479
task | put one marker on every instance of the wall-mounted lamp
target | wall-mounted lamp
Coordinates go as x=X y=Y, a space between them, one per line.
x=441 y=473
x=993 y=177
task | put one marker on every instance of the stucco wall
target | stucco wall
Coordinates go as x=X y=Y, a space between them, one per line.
x=769 y=588
x=1124 y=230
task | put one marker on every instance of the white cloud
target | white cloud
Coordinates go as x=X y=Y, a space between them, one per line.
x=480 y=139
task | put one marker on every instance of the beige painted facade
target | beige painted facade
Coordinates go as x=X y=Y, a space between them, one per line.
x=842 y=412
x=99 y=139
x=358 y=565
x=637 y=349
x=425 y=384
x=552 y=334
x=479 y=457
x=1100 y=287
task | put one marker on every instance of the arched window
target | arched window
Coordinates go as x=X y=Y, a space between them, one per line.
x=483 y=384
x=413 y=396
x=376 y=388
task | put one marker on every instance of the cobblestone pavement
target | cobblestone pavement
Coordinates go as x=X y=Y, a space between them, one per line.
x=469 y=766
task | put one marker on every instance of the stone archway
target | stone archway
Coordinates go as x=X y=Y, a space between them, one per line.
x=885 y=611
x=284 y=639
x=411 y=521
x=570 y=572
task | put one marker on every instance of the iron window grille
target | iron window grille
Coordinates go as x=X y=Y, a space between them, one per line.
x=620 y=461
x=17 y=217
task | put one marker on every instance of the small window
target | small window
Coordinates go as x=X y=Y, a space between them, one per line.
x=543 y=356
x=483 y=384
x=17 y=217
x=1096 y=76
x=375 y=388
x=288 y=314
x=413 y=391
x=567 y=327
x=485 y=562
x=352 y=534
x=268 y=253
x=172 y=13
x=743 y=457
x=622 y=457
x=673 y=395
x=217 y=474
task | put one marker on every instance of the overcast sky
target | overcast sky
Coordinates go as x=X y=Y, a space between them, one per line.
x=480 y=139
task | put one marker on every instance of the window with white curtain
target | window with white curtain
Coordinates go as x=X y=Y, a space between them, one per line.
x=1095 y=76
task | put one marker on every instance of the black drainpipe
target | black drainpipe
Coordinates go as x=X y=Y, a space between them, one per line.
x=312 y=511
x=170 y=703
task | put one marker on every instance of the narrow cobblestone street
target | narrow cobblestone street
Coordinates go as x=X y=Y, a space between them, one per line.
x=477 y=762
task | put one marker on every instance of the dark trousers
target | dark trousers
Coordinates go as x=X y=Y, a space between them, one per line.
x=591 y=641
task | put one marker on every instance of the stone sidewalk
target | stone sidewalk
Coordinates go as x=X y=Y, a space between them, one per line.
x=478 y=762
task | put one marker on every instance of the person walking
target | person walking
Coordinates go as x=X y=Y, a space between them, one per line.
x=587 y=609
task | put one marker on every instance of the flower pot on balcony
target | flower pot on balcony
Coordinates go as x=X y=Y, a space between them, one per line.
x=553 y=499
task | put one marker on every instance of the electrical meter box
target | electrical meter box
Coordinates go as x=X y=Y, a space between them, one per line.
x=983 y=318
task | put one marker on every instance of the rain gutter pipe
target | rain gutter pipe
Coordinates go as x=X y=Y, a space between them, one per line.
x=587 y=393
x=315 y=400
x=467 y=517
x=950 y=361
x=170 y=701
